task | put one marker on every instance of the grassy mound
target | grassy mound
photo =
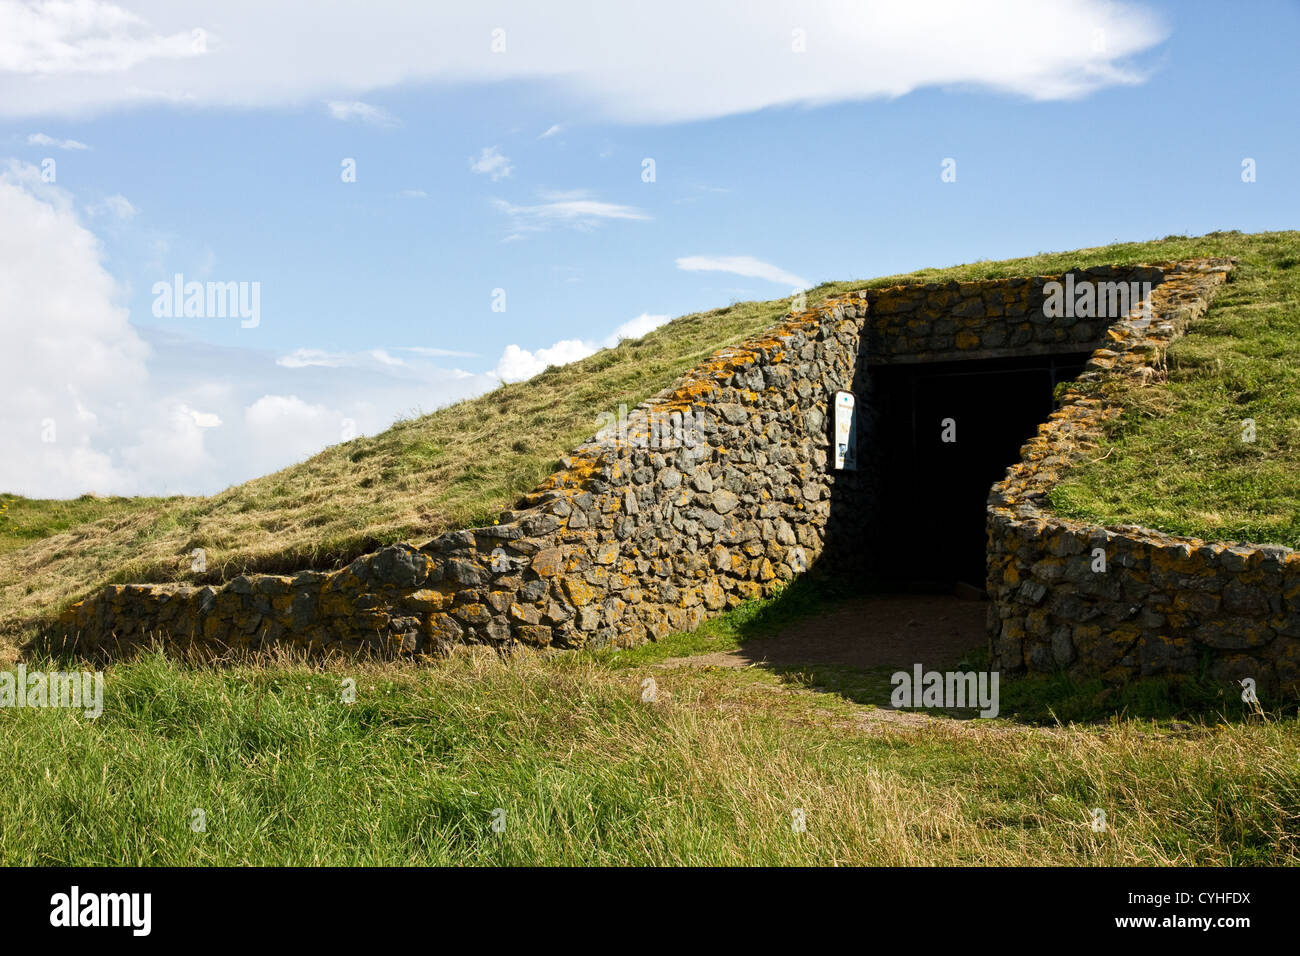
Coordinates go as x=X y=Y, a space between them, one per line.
x=1177 y=460
x=1175 y=463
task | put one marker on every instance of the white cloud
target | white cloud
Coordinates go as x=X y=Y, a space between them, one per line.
x=518 y=364
x=56 y=38
x=551 y=131
x=573 y=208
x=635 y=328
x=40 y=139
x=415 y=194
x=171 y=448
x=346 y=110
x=746 y=266
x=275 y=411
x=95 y=404
x=202 y=419
x=490 y=162
x=80 y=412
x=287 y=426
x=72 y=361
x=279 y=412
x=90 y=56
x=151 y=411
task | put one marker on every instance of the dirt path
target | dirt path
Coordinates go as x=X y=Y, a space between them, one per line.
x=886 y=630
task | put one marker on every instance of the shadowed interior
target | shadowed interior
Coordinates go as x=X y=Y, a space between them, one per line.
x=934 y=491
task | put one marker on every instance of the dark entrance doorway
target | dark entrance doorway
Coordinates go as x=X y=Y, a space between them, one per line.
x=934 y=491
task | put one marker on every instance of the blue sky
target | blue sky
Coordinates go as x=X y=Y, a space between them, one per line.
x=197 y=153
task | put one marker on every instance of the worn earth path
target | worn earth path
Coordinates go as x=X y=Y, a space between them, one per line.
x=892 y=631
x=879 y=633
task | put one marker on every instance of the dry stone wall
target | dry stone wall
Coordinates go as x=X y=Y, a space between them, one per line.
x=718 y=489
x=715 y=491
x=1127 y=601
x=1001 y=318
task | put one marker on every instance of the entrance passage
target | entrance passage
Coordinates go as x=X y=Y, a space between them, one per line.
x=946 y=432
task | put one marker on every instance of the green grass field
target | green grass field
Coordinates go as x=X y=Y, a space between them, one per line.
x=26 y=520
x=564 y=753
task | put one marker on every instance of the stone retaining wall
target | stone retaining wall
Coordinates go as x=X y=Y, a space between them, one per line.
x=638 y=534
x=997 y=318
x=718 y=489
x=1129 y=601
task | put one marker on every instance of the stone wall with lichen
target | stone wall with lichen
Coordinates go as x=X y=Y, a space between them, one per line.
x=999 y=318
x=1127 y=601
x=718 y=489
x=712 y=493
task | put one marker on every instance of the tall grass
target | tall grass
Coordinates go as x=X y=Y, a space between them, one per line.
x=576 y=769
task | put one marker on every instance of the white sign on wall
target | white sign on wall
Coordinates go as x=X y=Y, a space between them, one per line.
x=845 y=434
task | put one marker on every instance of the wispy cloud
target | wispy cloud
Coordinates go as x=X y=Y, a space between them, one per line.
x=116 y=205
x=435 y=353
x=552 y=131
x=349 y=110
x=40 y=139
x=318 y=358
x=572 y=208
x=369 y=358
x=746 y=266
x=490 y=162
